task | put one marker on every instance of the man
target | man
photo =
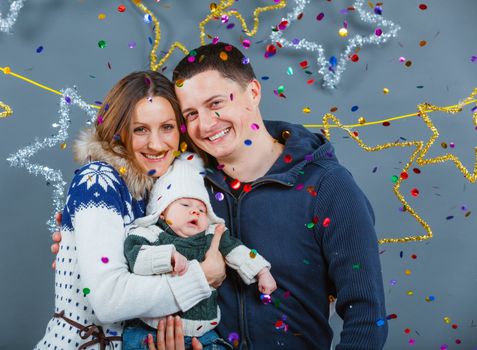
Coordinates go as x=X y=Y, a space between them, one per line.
x=282 y=192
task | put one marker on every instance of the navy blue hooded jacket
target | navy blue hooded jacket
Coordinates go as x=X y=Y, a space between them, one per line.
x=310 y=220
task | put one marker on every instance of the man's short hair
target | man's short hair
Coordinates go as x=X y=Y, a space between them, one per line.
x=221 y=57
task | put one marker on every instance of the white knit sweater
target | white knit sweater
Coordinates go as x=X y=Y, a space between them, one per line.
x=92 y=283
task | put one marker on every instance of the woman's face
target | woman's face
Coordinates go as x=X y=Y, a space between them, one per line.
x=155 y=135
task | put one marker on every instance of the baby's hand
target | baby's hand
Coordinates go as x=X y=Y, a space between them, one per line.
x=266 y=282
x=179 y=264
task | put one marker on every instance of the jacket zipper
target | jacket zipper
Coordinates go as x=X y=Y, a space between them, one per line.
x=243 y=324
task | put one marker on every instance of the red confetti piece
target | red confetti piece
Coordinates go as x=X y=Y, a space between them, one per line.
x=404 y=175
x=416 y=171
x=287 y=159
x=310 y=81
x=121 y=8
x=422 y=7
x=407 y=331
x=415 y=192
x=235 y=184
x=283 y=25
x=414 y=256
x=247 y=188
x=354 y=58
x=326 y=222
x=386 y=123
x=190 y=157
x=304 y=64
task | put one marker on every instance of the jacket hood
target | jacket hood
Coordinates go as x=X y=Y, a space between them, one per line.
x=88 y=148
x=301 y=148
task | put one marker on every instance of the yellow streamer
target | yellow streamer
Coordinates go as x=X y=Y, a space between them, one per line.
x=7 y=111
x=157 y=39
x=421 y=149
x=220 y=10
x=7 y=71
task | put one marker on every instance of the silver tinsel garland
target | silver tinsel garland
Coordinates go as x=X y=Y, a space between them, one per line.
x=331 y=77
x=7 y=22
x=21 y=159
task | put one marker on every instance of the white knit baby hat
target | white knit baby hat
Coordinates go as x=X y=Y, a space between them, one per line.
x=183 y=179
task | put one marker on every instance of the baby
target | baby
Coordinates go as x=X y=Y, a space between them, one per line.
x=179 y=226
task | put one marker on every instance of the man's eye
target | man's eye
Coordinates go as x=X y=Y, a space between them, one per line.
x=216 y=103
x=191 y=116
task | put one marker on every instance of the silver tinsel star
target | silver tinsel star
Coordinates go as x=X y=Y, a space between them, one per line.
x=7 y=22
x=331 y=73
x=21 y=159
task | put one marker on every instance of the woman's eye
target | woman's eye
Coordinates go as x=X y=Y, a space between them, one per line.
x=202 y=211
x=184 y=204
x=168 y=127
x=140 y=129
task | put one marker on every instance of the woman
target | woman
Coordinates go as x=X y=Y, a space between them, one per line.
x=135 y=140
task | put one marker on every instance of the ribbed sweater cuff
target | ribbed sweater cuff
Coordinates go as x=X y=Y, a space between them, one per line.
x=252 y=267
x=154 y=260
x=191 y=287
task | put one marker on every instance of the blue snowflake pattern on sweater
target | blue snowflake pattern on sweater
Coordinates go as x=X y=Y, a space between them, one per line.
x=98 y=184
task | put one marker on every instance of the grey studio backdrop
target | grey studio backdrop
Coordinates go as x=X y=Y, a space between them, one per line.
x=443 y=269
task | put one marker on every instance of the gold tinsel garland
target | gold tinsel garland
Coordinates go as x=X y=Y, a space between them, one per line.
x=7 y=111
x=216 y=11
x=219 y=10
x=421 y=149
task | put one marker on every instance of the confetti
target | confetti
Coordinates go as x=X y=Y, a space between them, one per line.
x=102 y=44
x=248 y=142
x=265 y=298
x=422 y=7
x=39 y=49
x=121 y=8
x=253 y=253
x=104 y=259
x=101 y=16
x=86 y=291
x=219 y=196
x=320 y=16
x=326 y=222
x=235 y=184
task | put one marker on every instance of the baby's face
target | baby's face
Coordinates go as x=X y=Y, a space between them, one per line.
x=187 y=216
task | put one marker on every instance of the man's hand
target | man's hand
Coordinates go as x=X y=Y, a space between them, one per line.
x=214 y=264
x=56 y=237
x=266 y=282
x=171 y=337
x=179 y=263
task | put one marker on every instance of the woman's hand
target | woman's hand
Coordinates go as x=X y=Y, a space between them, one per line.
x=214 y=264
x=171 y=337
x=56 y=237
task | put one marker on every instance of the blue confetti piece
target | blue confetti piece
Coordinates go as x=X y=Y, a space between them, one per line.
x=354 y=108
x=39 y=49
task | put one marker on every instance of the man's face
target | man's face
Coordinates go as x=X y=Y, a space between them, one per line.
x=220 y=114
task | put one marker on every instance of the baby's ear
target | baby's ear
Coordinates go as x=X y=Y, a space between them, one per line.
x=161 y=217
